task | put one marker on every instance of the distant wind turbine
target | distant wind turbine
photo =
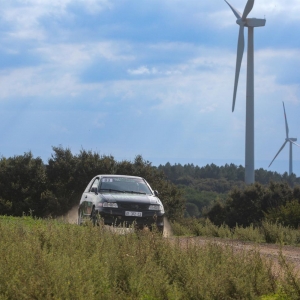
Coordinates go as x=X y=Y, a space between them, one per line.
x=291 y=141
x=243 y=21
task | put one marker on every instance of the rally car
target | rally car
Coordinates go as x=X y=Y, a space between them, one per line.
x=121 y=200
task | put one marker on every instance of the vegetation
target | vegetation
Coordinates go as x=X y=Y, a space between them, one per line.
x=267 y=232
x=47 y=259
x=219 y=193
x=276 y=202
x=220 y=179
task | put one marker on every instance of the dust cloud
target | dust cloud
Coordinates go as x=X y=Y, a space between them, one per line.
x=167 y=228
x=71 y=216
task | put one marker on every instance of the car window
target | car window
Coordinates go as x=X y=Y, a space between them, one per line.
x=95 y=183
x=124 y=184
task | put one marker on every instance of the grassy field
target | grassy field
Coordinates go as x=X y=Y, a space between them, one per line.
x=50 y=259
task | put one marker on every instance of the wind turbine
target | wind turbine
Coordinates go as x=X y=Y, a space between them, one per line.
x=243 y=22
x=291 y=141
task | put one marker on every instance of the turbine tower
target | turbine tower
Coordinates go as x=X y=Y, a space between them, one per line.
x=243 y=22
x=291 y=141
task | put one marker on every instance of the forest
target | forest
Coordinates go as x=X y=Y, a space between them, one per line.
x=30 y=186
x=220 y=194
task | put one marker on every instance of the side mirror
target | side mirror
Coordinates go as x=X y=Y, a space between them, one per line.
x=94 y=190
x=156 y=193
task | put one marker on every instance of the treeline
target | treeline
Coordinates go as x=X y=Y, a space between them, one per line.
x=220 y=179
x=29 y=186
x=220 y=194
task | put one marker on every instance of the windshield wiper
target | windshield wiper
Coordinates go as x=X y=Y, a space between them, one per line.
x=111 y=190
x=134 y=192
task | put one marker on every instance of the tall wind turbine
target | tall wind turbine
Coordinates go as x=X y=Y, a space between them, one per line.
x=291 y=141
x=243 y=22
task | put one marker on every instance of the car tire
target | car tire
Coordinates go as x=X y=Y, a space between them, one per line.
x=160 y=229
x=79 y=219
x=93 y=216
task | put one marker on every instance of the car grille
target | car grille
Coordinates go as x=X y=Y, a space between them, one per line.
x=133 y=206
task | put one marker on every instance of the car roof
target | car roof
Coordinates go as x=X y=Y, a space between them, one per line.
x=117 y=175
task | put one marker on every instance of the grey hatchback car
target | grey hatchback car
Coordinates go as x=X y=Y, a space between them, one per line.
x=121 y=199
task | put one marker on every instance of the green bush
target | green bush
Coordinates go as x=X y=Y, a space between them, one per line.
x=288 y=214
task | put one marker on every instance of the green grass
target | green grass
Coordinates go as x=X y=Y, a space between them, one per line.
x=268 y=232
x=48 y=259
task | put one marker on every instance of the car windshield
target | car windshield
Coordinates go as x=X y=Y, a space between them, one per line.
x=124 y=184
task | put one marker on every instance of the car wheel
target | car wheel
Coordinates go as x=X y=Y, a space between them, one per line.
x=93 y=216
x=160 y=229
x=79 y=220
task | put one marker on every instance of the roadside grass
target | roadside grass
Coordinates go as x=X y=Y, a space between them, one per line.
x=50 y=259
x=267 y=232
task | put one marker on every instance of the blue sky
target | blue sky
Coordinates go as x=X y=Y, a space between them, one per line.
x=148 y=77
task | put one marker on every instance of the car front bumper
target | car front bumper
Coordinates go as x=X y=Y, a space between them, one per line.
x=117 y=217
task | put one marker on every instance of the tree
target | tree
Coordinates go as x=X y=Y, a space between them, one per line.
x=192 y=210
x=22 y=181
x=287 y=214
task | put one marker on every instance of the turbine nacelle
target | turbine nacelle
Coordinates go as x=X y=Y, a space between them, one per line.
x=291 y=140
x=251 y=22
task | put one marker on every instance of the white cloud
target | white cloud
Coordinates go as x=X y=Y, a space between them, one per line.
x=142 y=70
x=23 y=19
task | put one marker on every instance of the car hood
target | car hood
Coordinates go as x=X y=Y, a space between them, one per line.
x=126 y=197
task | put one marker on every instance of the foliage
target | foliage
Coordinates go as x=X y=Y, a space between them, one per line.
x=218 y=181
x=191 y=210
x=255 y=202
x=267 y=232
x=189 y=173
x=199 y=200
x=22 y=181
x=287 y=214
x=52 y=260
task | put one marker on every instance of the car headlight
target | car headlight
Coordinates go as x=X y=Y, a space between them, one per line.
x=155 y=207
x=110 y=204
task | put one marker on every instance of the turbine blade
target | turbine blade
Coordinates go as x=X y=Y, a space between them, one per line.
x=239 y=57
x=235 y=11
x=278 y=152
x=294 y=143
x=286 y=123
x=247 y=9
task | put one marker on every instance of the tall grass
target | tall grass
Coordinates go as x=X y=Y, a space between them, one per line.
x=54 y=260
x=267 y=232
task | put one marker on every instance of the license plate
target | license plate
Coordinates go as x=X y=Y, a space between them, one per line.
x=133 y=214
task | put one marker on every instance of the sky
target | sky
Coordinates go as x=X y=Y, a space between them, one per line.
x=147 y=77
